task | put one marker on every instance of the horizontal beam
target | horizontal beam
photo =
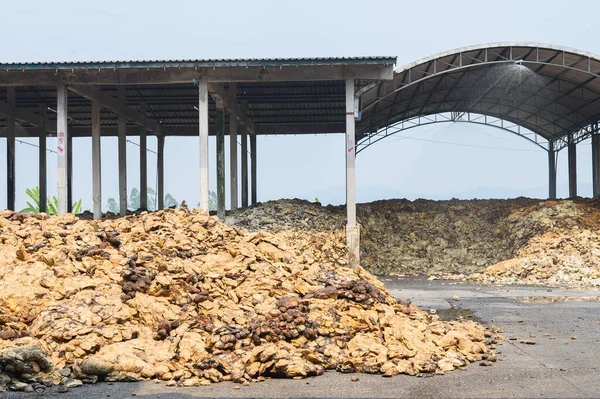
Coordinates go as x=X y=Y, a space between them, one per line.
x=117 y=106
x=231 y=104
x=190 y=131
x=139 y=76
x=21 y=114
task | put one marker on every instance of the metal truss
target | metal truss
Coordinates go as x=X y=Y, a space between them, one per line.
x=454 y=117
x=578 y=136
x=415 y=96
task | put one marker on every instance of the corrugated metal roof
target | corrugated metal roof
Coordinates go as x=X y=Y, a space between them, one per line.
x=200 y=63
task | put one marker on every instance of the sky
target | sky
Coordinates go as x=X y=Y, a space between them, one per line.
x=480 y=162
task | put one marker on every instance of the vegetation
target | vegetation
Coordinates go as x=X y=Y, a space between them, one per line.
x=33 y=206
x=133 y=201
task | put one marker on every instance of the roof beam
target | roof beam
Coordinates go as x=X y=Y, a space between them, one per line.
x=166 y=130
x=174 y=75
x=116 y=105
x=231 y=104
x=21 y=114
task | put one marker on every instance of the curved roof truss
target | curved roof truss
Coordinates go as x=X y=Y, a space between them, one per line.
x=451 y=117
x=552 y=92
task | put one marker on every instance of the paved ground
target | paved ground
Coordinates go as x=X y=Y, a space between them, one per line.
x=557 y=366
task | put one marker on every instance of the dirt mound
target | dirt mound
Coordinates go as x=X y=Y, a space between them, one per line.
x=179 y=296
x=455 y=237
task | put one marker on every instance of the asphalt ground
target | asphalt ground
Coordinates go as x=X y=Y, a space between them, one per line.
x=564 y=362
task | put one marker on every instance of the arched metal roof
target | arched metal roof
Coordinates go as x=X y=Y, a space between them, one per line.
x=552 y=92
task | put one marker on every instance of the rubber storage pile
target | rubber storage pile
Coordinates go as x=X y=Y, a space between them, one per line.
x=178 y=296
x=519 y=240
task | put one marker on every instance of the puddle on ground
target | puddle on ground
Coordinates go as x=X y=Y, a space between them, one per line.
x=456 y=313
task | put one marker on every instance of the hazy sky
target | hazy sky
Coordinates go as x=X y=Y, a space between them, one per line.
x=307 y=166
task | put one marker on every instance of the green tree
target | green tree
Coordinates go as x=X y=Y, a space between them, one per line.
x=113 y=206
x=170 y=201
x=134 y=199
x=212 y=201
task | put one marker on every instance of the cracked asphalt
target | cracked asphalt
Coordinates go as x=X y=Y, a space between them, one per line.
x=563 y=363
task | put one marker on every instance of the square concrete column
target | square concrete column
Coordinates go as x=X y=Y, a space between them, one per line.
x=203 y=136
x=233 y=158
x=161 y=172
x=122 y=140
x=253 y=171
x=551 y=171
x=96 y=161
x=596 y=161
x=10 y=152
x=143 y=160
x=70 y=174
x=244 y=150
x=42 y=163
x=572 y=150
x=220 y=120
x=62 y=148
x=352 y=228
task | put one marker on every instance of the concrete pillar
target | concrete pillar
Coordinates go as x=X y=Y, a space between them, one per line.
x=572 y=149
x=143 y=161
x=10 y=152
x=42 y=164
x=70 y=174
x=220 y=120
x=96 y=161
x=122 y=131
x=233 y=158
x=203 y=135
x=160 y=166
x=352 y=228
x=596 y=161
x=253 y=156
x=62 y=147
x=244 y=151
x=551 y=171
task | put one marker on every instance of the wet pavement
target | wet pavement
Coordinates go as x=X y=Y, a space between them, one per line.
x=564 y=362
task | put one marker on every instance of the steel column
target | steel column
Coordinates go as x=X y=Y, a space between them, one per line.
x=96 y=161
x=122 y=140
x=572 y=150
x=352 y=228
x=220 y=120
x=551 y=171
x=203 y=138
x=244 y=150
x=42 y=164
x=63 y=148
x=596 y=160
x=253 y=170
x=10 y=152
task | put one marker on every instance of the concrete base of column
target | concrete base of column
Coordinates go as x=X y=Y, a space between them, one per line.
x=353 y=243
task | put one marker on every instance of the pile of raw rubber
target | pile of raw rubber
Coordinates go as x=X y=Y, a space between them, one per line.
x=177 y=295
